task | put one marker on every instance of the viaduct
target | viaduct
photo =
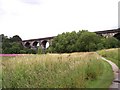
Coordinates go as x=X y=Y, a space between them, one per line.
x=41 y=42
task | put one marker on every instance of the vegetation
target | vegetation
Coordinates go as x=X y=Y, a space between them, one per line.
x=75 y=70
x=117 y=36
x=82 y=41
x=13 y=45
x=111 y=54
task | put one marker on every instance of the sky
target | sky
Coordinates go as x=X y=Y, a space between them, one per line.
x=32 y=19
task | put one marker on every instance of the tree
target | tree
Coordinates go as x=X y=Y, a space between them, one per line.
x=111 y=42
x=13 y=45
x=64 y=42
x=39 y=51
x=117 y=36
x=88 y=41
x=16 y=38
x=81 y=41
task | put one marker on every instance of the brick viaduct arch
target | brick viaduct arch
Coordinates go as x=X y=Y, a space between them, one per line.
x=37 y=43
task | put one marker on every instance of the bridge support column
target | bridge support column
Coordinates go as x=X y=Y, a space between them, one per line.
x=34 y=47
x=42 y=46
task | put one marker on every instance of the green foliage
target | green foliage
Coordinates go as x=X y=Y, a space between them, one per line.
x=112 y=42
x=13 y=45
x=9 y=45
x=64 y=42
x=117 y=36
x=22 y=52
x=111 y=54
x=88 y=41
x=16 y=38
x=39 y=50
x=107 y=72
x=49 y=50
x=29 y=51
x=82 y=41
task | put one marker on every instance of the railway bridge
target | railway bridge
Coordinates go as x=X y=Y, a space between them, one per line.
x=41 y=42
x=109 y=33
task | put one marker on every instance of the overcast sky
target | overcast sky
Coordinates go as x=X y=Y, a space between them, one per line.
x=43 y=18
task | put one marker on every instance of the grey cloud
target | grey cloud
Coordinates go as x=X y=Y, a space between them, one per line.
x=31 y=1
x=1 y=12
x=1 y=9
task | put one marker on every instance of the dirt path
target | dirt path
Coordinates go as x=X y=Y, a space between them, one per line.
x=116 y=82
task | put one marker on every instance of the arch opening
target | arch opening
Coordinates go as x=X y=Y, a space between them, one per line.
x=35 y=44
x=27 y=44
x=47 y=44
x=43 y=43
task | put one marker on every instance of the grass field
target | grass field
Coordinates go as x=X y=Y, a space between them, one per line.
x=0 y=72
x=76 y=70
x=111 y=54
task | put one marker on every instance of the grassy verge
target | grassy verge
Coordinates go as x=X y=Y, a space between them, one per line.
x=103 y=81
x=111 y=54
x=76 y=70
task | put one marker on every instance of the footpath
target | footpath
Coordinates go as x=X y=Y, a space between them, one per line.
x=116 y=82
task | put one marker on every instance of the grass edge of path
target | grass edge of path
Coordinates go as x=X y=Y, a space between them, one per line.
x=105 y=80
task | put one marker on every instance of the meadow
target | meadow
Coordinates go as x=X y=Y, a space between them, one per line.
x=111 y=54
x=73 y=70
x=0 y=72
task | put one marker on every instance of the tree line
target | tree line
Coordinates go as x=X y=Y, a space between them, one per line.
x=67 y=42
x=13 y=45
x=82 y=41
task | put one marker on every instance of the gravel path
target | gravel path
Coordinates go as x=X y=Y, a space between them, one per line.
x=116 y=82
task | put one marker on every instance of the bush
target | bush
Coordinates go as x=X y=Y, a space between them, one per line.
x=39 y=50
x=112 y=42
x=82 y=41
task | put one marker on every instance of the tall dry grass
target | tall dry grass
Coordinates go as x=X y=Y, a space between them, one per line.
x=52 y=70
